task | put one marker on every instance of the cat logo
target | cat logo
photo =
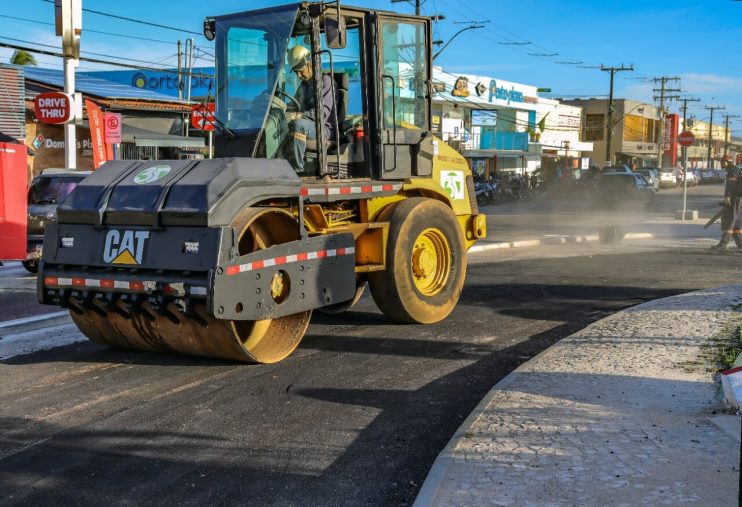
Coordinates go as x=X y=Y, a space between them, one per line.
x=124 y=247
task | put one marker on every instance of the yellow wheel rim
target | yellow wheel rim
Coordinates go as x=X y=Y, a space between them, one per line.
x=431 y=261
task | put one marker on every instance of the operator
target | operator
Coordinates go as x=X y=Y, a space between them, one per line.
x=303 y=127
x=731 y=219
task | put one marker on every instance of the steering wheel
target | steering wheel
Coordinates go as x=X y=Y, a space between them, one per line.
x=291 y=98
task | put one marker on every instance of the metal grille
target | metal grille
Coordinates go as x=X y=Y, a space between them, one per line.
x=12 y=103
x=472 y=196
x=130 y=151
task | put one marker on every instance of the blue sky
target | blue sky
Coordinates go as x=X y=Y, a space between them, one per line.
x=700 y=41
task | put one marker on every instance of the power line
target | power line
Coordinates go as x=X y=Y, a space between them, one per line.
x=86 y=52
x=96 y=60
x=88 y=30
x=133 y=20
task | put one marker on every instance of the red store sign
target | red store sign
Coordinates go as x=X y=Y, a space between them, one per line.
x=53 y=107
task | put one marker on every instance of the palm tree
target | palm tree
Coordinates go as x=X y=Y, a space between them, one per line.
x=21 y=57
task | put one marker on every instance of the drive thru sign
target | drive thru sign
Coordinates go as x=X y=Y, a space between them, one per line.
x=202 y=117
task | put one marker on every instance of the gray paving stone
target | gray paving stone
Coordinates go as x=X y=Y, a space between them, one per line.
x=617 y=414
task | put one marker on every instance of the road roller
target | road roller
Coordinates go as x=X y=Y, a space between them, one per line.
x=227 y=257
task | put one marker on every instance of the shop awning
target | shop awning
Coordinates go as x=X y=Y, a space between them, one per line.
x=499 y=154
x=143 y=137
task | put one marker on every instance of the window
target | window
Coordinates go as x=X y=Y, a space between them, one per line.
x=404 y=74
x=594 y=127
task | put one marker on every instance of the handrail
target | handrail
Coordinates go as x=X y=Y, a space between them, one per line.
x=394 y=120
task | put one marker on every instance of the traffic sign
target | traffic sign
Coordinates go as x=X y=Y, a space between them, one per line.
x=54 y=107
x=112 y=121
x=686 y=138
x=202 y=117
x=543 y=90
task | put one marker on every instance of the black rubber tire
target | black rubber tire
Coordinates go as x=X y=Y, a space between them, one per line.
x=31 y=266
x=482 y=200
x=394 y=289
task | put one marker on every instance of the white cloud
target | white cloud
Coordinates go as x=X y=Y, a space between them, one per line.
x=710 y=83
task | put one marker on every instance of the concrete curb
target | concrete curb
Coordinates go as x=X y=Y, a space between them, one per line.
x=553 y=240
x=32 y=323
x=437 y=474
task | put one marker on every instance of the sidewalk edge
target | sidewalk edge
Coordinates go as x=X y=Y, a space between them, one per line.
x=32 y=323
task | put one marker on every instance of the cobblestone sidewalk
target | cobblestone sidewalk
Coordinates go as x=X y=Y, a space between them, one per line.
x=624 y=413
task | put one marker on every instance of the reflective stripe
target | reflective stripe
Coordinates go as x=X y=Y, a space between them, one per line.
x=363 y=189
x=276 y=261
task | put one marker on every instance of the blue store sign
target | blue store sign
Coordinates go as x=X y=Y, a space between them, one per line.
x=161 y=82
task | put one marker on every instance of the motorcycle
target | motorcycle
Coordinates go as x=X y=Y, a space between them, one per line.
x=485 y=191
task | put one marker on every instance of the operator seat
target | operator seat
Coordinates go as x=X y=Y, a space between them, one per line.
x=342 y=84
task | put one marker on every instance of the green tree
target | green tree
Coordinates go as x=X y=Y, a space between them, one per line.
x=21 y=57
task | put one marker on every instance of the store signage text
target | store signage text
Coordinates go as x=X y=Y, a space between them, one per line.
x=142 y=81
x=53 y=107
x=504 y=94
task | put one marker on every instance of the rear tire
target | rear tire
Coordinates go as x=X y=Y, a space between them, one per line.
x=426 y=263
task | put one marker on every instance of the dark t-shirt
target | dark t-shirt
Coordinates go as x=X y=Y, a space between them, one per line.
x=733 y=184
x=305 y=96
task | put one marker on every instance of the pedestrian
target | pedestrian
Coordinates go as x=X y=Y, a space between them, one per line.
x=731 y=218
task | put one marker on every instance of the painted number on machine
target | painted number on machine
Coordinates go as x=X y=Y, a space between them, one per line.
x=151 y=174
x=453 y=182
x=124 y=247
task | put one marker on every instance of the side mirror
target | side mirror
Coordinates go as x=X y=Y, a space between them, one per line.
x=335 y=32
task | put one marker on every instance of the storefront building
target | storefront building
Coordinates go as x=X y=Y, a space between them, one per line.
x=635 y=131
x=556 y=137
x=152 y=123
x=698 y=154
x=485 y=119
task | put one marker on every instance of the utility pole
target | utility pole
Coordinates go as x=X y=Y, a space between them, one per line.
x=684 y=108
x=180 y=89
x=612 y=70
x=417 y=4
x=68 y=24
x=726 y=131
x=709 y=160
x=661 y=111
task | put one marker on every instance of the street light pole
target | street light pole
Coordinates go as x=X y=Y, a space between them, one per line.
x=685 y=101
x=470 y=27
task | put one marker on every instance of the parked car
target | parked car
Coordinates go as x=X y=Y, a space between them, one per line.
x=613 y=189
x=616 y=169
x=651 y=176
x=46 y=192
x=690 y=176
x=667 y=177
x=709 y=176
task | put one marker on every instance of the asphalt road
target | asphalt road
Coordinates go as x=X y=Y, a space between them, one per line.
x=355 y=417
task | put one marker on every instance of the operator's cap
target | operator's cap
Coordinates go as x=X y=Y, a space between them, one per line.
x=298 y=57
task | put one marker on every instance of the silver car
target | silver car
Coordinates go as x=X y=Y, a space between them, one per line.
x=651 y=176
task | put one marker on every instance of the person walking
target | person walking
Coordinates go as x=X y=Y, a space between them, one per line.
x=731 y=218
